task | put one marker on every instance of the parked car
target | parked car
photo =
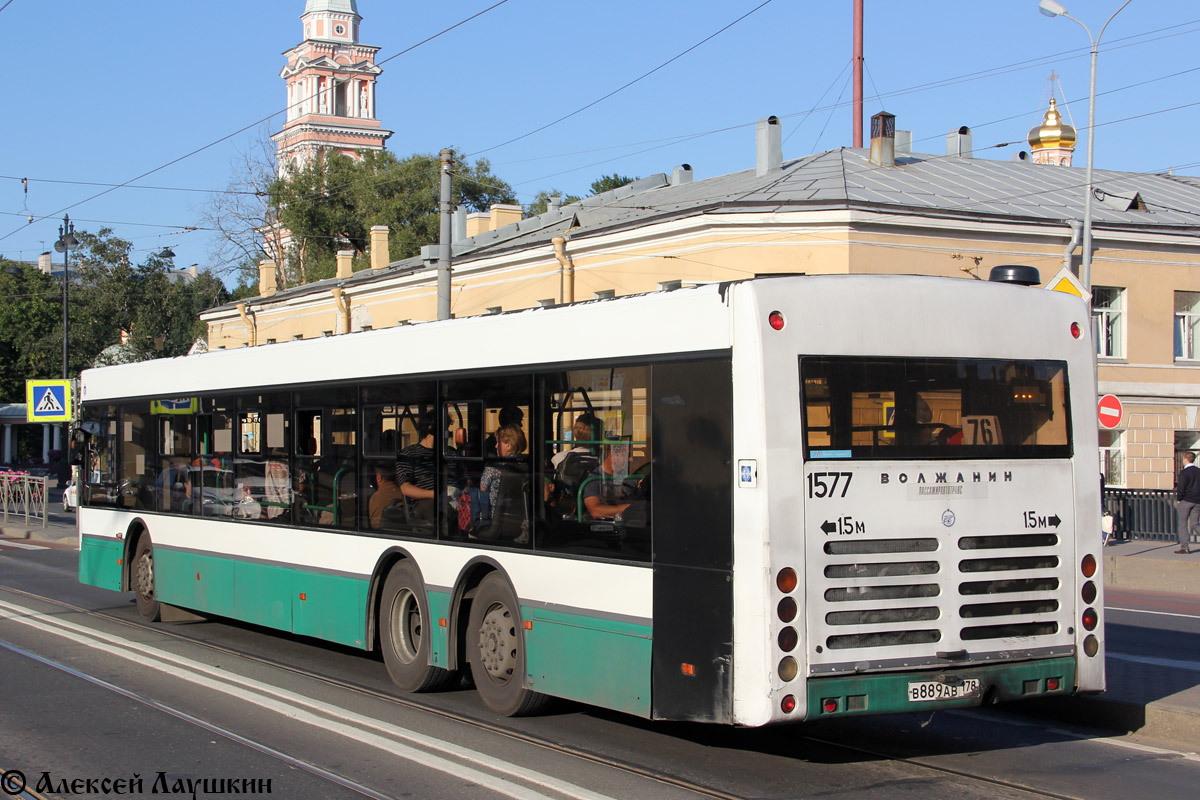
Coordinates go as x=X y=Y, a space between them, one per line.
x=70 y=497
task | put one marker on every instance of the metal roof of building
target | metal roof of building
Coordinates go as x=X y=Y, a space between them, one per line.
x=921 y=185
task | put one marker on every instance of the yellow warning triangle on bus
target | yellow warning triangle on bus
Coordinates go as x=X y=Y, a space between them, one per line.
x=1066 y=282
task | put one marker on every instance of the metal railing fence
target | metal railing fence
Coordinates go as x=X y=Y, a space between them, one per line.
x=1144 y=514
x=23 y=496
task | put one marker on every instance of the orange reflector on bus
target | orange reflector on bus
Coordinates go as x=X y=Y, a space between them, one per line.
x=687 y=669
x=441 y=622
x=527 y=624
x=303 y=596
x=1088 y=566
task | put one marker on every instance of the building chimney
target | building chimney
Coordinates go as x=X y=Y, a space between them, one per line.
x=681 y=174
x=344 y=261
x=266 y=278
x=769 y=147
x=1021 y=155
x=503 y=214
x=458 y=224
x=904 y=143
x=45 y=264
x=379 y=247
x=958 y=143
x=477 y=222
x=554 y=202
x=883 y=139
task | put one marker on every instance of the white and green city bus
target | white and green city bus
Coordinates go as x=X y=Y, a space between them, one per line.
x=786 y=498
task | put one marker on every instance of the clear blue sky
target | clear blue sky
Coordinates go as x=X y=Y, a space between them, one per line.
x=102 y=92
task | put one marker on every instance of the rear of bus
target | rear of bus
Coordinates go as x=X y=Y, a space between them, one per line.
x=929 y=494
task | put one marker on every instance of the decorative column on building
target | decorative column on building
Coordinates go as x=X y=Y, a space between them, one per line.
x=330 y=88
x=1053 y=141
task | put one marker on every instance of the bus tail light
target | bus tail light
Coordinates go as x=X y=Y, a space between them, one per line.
x=788 y=704
x=1090 y=618
x=788 y=639
x=786 y=580
x=788 y=669
x=1088 y=566
x=1091 y=646
x=829 y=705
x=1053 y=684
x=786 y=609
x=1089 y=592
x=775 y=319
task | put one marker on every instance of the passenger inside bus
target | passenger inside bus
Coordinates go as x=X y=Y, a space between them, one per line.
x=386 y=494
x=416 y=474
x=613 y=493
x=504 y=490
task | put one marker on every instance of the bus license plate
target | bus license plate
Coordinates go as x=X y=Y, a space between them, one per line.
x=921 y=691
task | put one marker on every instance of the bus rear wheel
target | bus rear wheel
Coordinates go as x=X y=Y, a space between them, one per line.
x=498 y=659
x=143 y=580
x=404 y=632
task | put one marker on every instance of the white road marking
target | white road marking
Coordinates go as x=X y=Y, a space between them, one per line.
x=1113 y=740
x=1144 y=611
x=1156 y=662
x=21 y=545
x=357 y=727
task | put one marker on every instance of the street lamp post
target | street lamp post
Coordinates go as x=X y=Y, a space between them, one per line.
x=1051 y=8
x=66 y=240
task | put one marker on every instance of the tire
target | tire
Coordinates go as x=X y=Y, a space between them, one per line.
x=496 y=642
x=405 y=632
x=141 y=578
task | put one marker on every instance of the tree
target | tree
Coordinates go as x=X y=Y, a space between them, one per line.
x=541 y=201
x=30 y=328
x=332 y=203
x=243 y=216
x=606 y=182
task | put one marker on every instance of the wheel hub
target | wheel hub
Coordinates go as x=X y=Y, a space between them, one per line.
x=498 y=643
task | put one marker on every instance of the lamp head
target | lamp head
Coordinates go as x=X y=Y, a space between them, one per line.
x=1051 y=8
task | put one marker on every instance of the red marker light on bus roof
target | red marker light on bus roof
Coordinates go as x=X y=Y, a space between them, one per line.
x=1076 y=330
x=775 y=318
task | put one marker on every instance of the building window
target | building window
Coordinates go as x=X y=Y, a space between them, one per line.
x=1108 y=321
x=1112 y=457
x=1187 y=326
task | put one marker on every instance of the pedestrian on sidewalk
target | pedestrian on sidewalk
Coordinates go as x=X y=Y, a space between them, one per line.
x=1187 y=495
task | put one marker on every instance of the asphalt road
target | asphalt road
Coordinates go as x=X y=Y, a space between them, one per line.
x=88 y=692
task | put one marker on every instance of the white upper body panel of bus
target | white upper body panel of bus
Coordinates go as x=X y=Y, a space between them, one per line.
x=686 y=320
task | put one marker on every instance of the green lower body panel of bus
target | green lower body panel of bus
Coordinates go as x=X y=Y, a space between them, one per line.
x=100 y=562
x=943 y=688
x=307 y=602
x=593 y=660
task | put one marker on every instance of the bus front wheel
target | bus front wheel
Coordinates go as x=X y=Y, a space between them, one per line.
x=404 y=632
x=498 y=659
x=143 y=580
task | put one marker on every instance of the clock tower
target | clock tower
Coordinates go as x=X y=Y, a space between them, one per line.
x=330 y=88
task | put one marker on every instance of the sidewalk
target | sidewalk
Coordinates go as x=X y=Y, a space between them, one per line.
x=1160 y=699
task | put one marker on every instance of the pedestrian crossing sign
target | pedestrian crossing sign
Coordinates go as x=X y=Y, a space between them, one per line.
x=48 y=401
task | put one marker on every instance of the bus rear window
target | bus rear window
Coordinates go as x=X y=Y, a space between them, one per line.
x=937 y=408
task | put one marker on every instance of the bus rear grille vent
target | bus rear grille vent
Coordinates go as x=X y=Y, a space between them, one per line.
x=1008 y=609
x=881 y=570
x=878 y=616
x=1008 y=631
x=1007 y=563
x=1008 y=586
x=882 y=639
x=850 y=594
x=1008 y=541
x=864 y=546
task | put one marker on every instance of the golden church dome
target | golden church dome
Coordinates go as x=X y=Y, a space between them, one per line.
x=1053 y=132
